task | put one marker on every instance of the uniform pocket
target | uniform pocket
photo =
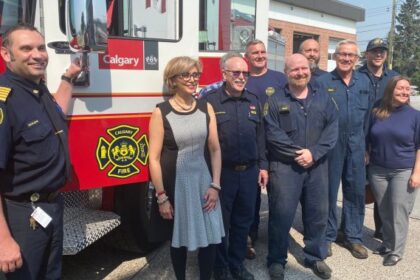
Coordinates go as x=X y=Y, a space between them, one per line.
x=286 y=122
x=363 y=100
x=36 y=133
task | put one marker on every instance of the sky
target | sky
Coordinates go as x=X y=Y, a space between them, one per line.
x=377 y=19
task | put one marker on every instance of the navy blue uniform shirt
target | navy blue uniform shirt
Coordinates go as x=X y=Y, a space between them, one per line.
x=240 y=127
x=31 y=155
x=266 y=85
x=292 y=124
x=353 y=103
x=378 y=84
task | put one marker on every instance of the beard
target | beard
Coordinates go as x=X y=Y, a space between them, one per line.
x=300 y=81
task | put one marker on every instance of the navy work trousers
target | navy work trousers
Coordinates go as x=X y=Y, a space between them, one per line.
x=41 y=248
x=237 y=197
x=348 y=167
x=289 y=184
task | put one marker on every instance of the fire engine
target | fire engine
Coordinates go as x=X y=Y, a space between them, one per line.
x=125 y=45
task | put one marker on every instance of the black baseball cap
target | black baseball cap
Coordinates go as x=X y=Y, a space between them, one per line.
x=377 y=43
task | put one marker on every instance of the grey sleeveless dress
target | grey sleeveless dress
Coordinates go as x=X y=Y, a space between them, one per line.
x=185 y=164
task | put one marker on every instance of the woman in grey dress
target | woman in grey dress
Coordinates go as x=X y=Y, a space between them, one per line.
x=185 y=166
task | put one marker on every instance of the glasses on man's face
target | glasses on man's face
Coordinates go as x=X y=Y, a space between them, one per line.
x=349 y=55
x=187 y=76
x=237 y=74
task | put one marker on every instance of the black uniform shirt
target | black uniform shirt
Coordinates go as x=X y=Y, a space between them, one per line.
x=31 y=155
x=240 y=127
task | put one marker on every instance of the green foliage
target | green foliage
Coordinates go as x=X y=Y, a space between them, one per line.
x=407 y=41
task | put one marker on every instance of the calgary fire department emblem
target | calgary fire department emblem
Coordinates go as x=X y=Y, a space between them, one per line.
x=123 y=151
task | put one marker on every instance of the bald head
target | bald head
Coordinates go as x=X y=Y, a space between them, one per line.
x=293 y=59
x=297 y=70
x=310 y=49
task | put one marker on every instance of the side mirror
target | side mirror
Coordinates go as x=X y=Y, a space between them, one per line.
x=86 y=25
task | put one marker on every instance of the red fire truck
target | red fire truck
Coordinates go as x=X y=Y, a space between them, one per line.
x=125 y=45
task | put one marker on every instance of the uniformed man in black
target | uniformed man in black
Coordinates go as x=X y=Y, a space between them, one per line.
x=34 y=161
x=242 y=141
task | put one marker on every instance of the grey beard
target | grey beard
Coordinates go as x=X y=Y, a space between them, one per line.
x=313 y=66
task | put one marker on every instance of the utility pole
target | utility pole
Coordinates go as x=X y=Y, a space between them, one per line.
x=391 y=36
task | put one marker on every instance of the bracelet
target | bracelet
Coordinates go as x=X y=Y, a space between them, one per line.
x=160 y=193
x=162 y=200
x=215 y=186
x=67 y=79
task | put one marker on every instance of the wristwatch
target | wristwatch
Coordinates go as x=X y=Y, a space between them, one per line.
x=67 y=79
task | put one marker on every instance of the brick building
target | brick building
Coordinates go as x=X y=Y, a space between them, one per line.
x=327 y=21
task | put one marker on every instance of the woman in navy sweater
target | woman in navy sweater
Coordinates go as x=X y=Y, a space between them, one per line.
x=394 y=171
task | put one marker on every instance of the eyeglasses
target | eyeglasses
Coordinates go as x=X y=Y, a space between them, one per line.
x=237 y=74
x=187 y=76
x=349 y=55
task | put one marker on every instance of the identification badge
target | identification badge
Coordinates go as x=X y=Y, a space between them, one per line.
x=41 y=217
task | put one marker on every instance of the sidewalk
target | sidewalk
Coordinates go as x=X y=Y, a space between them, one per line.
x=343 y=264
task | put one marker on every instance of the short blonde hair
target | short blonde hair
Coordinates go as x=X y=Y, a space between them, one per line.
x=176 y=66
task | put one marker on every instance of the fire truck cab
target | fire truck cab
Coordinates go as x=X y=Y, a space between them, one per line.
x=125 y=46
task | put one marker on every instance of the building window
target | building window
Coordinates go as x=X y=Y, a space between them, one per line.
x=275 y=50
x=299 y=37
x=332 y=43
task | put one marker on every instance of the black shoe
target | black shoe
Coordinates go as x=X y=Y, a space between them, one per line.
x=242 y=274
x=357 y=250
x=391 y=260
x=222 y=274
x=341 y=237
x=378 y=235
x=321 y=269
x=382 y=250
x=329 y=249
x=276 y=271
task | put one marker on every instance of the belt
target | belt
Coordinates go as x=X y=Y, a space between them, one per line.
x=34 y=197
x=238 y=167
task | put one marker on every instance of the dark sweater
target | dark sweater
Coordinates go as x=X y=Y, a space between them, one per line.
x=395 y=140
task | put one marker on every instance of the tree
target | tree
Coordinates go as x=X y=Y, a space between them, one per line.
x=407 y=40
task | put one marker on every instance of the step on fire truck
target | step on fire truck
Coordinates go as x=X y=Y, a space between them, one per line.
x=125 y=45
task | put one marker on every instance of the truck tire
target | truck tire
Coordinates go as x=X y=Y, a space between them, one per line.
x=132 y=203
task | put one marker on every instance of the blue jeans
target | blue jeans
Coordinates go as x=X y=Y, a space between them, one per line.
x=289 y=184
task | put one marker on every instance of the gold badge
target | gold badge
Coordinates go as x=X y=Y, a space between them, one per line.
x=123 y=151
x=266 y=109
x=1 y=116
x=270 y=91
x=331 y=90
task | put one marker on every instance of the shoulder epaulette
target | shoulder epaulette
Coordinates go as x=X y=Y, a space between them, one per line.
x=4 y=93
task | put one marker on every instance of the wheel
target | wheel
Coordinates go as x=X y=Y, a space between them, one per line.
x=132 y=203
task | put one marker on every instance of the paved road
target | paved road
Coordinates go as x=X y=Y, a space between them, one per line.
x=103 y=262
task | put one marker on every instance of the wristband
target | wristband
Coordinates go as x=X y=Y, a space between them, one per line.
x=67 y=79
x=215 y=186
x=162 y=200
x=160 y=193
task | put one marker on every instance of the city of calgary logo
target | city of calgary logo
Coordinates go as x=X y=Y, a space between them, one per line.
x=123 y=151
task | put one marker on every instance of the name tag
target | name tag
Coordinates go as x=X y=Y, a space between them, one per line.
x=41 y=217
